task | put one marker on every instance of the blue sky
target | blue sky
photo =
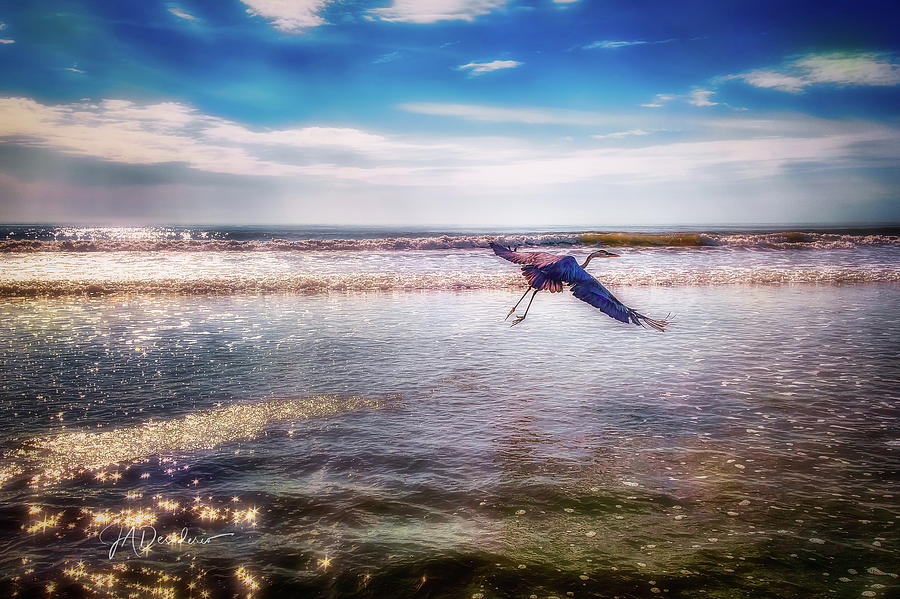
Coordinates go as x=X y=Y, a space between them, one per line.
x=450 y=112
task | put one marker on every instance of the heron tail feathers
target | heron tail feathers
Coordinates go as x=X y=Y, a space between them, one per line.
x=659 y=325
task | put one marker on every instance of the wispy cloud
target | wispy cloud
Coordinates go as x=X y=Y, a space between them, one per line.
x=5 y=41
x=480 y=68
x=836 y=68
x=182 y=14
x=659 y=100
x=74 y=68
x=290 y=16
x=389 y=57
x=621 y=134
x=701 y=97
x=433 y=11
x=504 y=114
x=696 y=97
x=613 y=44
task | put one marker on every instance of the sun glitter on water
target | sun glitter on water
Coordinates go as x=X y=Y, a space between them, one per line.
x=67 y=455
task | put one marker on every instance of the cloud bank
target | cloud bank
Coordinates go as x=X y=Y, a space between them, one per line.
x=433 y=11
x=124 y=132
x=844 y=69
x=290 y=16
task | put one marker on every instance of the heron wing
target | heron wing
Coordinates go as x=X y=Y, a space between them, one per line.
x=590 y=290
x=567 y=270
x=539 y=259
x=598 y=296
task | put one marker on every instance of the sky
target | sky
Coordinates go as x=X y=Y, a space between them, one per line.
x=472 y=113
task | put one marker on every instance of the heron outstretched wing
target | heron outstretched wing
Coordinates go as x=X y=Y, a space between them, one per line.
x=535 y=258
x=588 y=289
x=594 y=293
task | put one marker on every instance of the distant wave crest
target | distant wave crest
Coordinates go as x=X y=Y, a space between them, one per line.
x=773 y=240
x=443 y=242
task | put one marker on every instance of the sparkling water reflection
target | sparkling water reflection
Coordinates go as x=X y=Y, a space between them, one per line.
x=751 y=451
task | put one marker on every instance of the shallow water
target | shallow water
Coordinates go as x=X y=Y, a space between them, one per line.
x=228 y=272
x=412 y=444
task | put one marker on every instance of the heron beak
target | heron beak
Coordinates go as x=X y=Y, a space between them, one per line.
x=613 y=256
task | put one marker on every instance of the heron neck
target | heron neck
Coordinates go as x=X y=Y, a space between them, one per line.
x=586 y=261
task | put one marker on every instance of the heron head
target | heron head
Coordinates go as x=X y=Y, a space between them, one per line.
x=604 y=254
x=599 y=254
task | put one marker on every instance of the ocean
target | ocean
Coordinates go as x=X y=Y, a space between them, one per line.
x=327 y=412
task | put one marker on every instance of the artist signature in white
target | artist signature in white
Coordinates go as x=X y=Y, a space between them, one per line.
x=143 y=538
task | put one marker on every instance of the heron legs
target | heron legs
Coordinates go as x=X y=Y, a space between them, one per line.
x=513 y=309
x=521 y=318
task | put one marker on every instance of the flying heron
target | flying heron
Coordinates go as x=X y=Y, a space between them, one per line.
x=552 y=273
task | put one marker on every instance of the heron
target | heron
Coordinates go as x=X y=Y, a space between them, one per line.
x=549 y=272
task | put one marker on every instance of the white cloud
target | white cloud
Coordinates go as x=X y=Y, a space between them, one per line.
x=621 y=134
x=182 y=14
x=774 y=80
x=167 y=133
x=701 y=97
x=306 y=137
x=389 y=57
x=5 y=41
x=500 y=114
x=697 y=97
x=290 y=16
x=120 y=131
x=659 y=100
x=433 y=11
x=670 y=162
x=480 y=68
x=613 y=44
x=836 y=68
x=850 y=69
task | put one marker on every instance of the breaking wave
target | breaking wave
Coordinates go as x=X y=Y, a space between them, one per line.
x=773 y=240
x=768 y=240
x=442 y=281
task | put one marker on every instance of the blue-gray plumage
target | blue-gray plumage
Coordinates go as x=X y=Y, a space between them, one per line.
x=549 y=272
